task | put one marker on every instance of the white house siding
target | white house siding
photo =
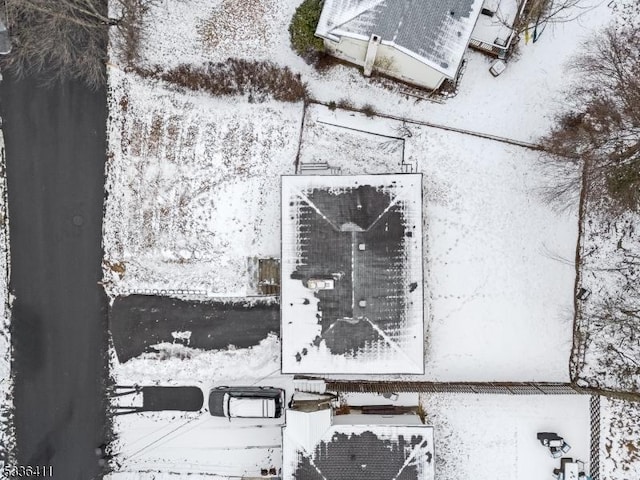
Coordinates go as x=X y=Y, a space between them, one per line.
x=389 y=60
x=349 y=49
x=395 y=63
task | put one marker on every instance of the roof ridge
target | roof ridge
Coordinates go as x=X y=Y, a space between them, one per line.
x=389 y=341
x=409 y=458
x=392 y=203
x=299 y=443
x=349 y=15
x=305 y=198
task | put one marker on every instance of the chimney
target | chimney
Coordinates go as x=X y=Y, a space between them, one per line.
x=370 y=58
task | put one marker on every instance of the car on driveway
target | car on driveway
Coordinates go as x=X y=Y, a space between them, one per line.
x=246 y=402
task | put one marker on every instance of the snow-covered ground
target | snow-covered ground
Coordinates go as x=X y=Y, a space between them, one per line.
x=156 y=475
x=499 y=261
x=184 y=444
x=620 y=439
x=608 y=332
x=608 y=328
x=6 y=399
x=196 y=443
x=193 y=187
x=199 y=366
x=400 y=399
x=494 y=436
x=177 y=156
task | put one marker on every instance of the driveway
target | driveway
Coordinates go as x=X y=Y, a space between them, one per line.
x=139 y=321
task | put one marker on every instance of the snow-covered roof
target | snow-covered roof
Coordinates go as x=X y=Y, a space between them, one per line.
x=314 y=449
x=496 y=23
x=435 y=32
x=352 y=291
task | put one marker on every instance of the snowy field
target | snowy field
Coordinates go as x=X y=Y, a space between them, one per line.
x=6 y=399
x=620 y=439
x=193 y=187
x=494 y=436
x=610 y=250
x=498 y=260
x=178 y=156
x=196 y=443
x=608 y=333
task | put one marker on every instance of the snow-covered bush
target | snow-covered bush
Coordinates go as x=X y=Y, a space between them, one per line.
x=303 y=28
x=258 y=80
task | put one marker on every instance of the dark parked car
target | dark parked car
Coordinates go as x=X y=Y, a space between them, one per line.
x=246 y=402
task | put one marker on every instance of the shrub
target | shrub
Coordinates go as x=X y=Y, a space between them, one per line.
x=346 y=104
x=323 y=61
x=257 y=80
x=623 y=185
x=132 y=30
x=332 y=105
x=302 y=29
x=369 y=110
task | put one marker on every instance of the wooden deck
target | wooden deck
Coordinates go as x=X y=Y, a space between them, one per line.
x=269 y=276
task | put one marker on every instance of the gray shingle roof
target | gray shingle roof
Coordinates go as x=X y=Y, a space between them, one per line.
x=367 y=456
x=362 y=235
x=333 y=222
x=435 y=32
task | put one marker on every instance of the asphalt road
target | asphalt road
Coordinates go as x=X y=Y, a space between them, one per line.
x=55 y=146
x=139 y=321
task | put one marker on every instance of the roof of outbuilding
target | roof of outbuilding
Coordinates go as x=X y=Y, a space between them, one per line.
x=435 y=32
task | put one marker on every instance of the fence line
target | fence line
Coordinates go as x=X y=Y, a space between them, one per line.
x=594 y=464
x=504 y=388
x=488 y=136
x=162 y=292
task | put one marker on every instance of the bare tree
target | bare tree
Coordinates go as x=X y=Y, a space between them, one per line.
x=67 y=39
x=602 y=124
x=553 y=11
x=614 y=334
x=535 y=15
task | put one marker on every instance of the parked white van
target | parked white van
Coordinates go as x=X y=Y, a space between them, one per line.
x=246 y=402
